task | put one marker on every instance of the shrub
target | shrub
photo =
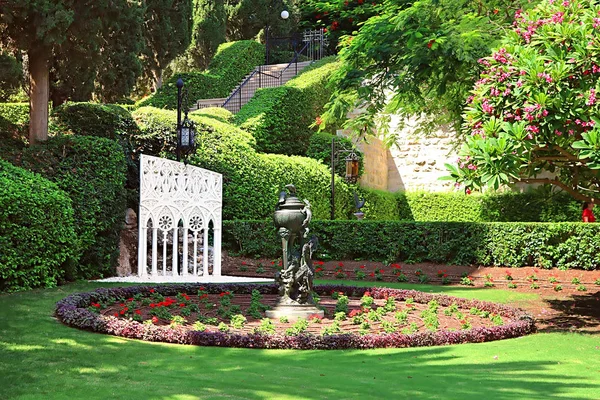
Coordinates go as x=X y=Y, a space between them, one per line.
x=103 y=120
x=252 y=181
x=280 y=118
x=218 y=113
x=14 y=120
x=92 y=172
x=547 y=245
x=36 y=230
x=11 y=74
x=231 y=63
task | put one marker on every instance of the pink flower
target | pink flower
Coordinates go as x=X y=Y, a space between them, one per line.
x=592 y=99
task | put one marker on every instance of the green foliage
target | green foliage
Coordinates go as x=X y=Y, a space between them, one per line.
x=252 y=181
x=424 y=53
x=534 y=110
x=210 y=22
x=14 y=120
x=218 y=113
x=319 y=148
x=231 y=63
x=280 y=118
x=11 y=74
x=92 y=172
x=546 y=245
x=36 y=230
x=167 y=32
x=103 y=120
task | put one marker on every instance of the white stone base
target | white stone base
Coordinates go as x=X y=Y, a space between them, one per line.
x=293 y=312
x=185 y=279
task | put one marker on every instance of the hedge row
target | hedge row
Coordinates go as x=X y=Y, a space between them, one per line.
x=546 y=245
x=280 y=118
x=36 y=230
x=91 y=170
x=232 y=62
x=252 y=181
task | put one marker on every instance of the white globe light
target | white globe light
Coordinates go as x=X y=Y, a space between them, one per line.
x=285 y=14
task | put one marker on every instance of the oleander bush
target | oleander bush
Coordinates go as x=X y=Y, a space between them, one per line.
x=74 y=311
x=547 y=245
x=92 y=171
x=232 y=62
x=37 y=237
x=280 y=118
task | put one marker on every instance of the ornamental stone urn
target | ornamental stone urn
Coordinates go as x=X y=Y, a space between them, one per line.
x=295 y=280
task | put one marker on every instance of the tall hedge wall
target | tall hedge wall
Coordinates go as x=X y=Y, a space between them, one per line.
x=91 y=171
x=546 y=245
x=280 y=118
x=232 y=62
x=36 y=230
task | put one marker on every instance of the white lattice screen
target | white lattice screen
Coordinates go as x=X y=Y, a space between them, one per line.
x=180 y=212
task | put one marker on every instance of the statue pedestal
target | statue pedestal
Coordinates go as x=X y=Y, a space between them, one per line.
x=294 y=311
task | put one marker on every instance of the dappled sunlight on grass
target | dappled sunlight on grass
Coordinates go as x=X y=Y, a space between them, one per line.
x=55 y=362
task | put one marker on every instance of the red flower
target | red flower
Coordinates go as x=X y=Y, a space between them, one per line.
x=181 y=304
x=431 y=42
x=122 y=305
x=324 y=30
x=350 y=20
x=361 y=1
x=122 y=312
x=243 y=262
x=372 y=274
x=381 y=271
x=116 y=314
x=152 y=305
x=318 y=121
x=138 y=312
x=154 y=320
x=341 y=264
x=362 y=267
x=368 y=294
x=346 y=3
x=202 y=288
x=97 y=305
x=130 y=299
x=152 y=290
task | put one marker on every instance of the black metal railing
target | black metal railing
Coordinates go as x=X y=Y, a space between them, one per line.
x=310 y=46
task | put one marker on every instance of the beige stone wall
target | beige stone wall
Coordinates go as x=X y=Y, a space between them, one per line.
x=416 y=163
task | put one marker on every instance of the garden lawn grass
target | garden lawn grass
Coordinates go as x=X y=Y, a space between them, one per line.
x=43 y=359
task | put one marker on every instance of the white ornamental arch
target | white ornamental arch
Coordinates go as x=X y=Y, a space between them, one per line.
x=178 y=205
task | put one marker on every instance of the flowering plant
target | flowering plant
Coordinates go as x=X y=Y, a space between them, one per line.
x=534 y=107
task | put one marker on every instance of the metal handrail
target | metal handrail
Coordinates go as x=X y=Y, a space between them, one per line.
x=241 y=86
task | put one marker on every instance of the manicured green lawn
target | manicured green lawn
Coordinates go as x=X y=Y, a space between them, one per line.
x=42 y=359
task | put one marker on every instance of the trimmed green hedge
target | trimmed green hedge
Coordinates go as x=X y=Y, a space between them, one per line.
x=91 y=171
x=252 y=181
x=14 y=120
x=319 y=148
x=109 y=121
x=280 y=118
x=36 y=230
x=533 y=206
x=232 y=62
x=546 y=245
x=218 y=113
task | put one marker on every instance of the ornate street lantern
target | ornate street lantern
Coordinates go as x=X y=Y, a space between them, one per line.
x=186 y=137
x=352 y=167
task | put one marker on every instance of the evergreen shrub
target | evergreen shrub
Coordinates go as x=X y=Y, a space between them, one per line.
x=232 y=62
x=280 y=118
x=319 y=148
x=251 y=181
x=14 y=120
x=37 y=237
x=92 y=171
x=562 y=245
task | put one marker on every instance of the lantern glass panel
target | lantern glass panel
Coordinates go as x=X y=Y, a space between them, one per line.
x=185 y=136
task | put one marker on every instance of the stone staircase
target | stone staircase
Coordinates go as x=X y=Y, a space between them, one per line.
x=261 y=77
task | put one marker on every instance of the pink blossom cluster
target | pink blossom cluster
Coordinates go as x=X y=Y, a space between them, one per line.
x=487 y=107
x=592 y=99
x=545 y=76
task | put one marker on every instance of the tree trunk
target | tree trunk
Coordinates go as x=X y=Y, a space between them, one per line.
x=158 y=79
x=38 y=95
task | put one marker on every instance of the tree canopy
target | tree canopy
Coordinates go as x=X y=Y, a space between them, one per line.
x=416 y=58
x=533 y=115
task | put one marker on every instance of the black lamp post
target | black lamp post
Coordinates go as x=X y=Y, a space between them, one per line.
x=352 y=167
x=186 y=134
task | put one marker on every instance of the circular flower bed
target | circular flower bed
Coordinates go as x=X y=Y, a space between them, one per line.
x=233 y=316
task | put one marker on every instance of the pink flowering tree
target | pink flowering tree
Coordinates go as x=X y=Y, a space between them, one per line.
x=533 y=116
